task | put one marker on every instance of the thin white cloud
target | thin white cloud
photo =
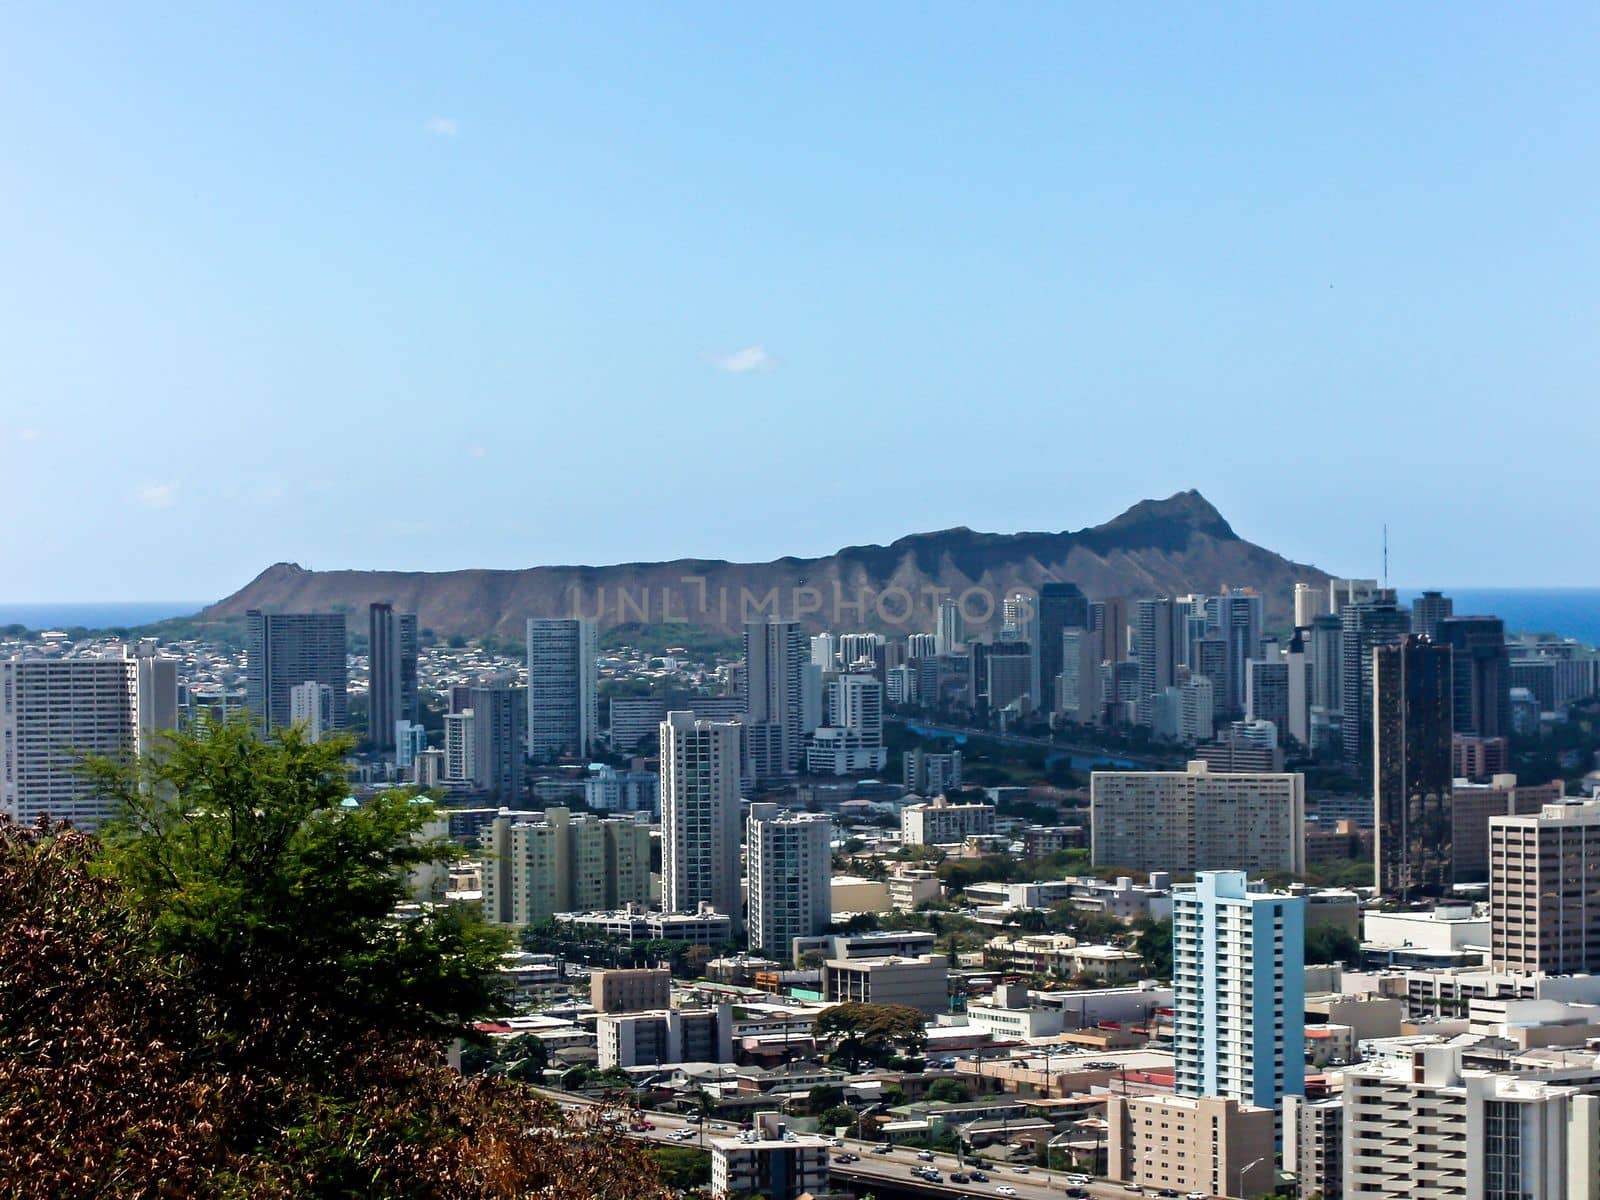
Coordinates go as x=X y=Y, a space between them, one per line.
x=156 y=495
x=739 y=362
x=441 y=126
x=477 y=452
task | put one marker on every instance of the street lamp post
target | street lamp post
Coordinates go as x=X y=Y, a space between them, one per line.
x=1238 y=1175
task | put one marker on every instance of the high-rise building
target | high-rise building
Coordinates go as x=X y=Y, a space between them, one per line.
x=1197 y=710
x=1327 y=663
x=1238 y=984
x=1427 y=610
x=1154 y=651
x=1544 y=891
x=920 y=645
x=700 y=815
x=391 y=672
x=1412 y=775
x=311 y=708
x=55 y=710
x=499 y=741
x=1266 y=692
x=1481 y=671
x=931 y=773
x=950 y=634
x=1060 y=606
x=635 y=719
x=1364 y=627
x=770 y=1160
x=1077 y=686
x=536 y=868
x=1190 y=1145
x=825 y=652
x=858 y=650
x=1344 y=592
x=1109 y=618
x=460 y=747
x=282 y=651
x=1238 y=621
x=942 y=823
x=1302 y=681
x=789 y=858
x=1197 y=820
x=563 y=712
x=1419 y=1123
x=774 y=652
x=1474 y=805
x=1310 y=602
x=852 y=740
x=410 y=739
x=1313 y=1144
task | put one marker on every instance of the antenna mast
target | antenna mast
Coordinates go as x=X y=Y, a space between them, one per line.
x=1386 y=555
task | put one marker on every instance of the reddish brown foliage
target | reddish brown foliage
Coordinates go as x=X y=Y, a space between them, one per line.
x=109 y=1088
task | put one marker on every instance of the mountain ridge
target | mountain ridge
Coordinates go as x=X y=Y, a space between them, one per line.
x=1172 y=546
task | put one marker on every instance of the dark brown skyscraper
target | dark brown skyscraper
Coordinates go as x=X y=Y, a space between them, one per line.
x=1482 y=670
x=1061 y=606
x=391 y=671
x=1411 y=728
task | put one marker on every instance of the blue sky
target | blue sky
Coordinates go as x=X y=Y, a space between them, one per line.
x=497 y=286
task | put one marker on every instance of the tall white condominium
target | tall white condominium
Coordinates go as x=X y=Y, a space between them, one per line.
x=852 y=740
x=920 y=645
x=55 y=710
x=824 y=651
x=789 y=856
x=700 y=815
x=1310 y=602
x=1419 y=1123
x=950 y=634
x=1198 y=820
x=1155 y=650
x=1238 y=981
x=1239 y=617
x=774 y=653
x=563 y=713
x=311 y=708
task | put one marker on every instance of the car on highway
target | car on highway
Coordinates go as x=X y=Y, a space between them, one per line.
x=924 y=1156
x=958 y=1177
x=1078 y=1180
x=1195 y=1196
x=1168 y=1192
x=1078 y=1193
x=882 y=1148
x=846 y=1158
x=979 y=1177
x=1006 y=1189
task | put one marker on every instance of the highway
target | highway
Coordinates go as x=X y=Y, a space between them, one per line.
x=889 y=1174
x=1086 y=754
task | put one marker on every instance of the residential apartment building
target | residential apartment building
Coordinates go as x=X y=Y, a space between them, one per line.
x=671 y=1035
x=700 y=815
x=1313 y=1145
x=1473 y=805
x=1201 y=1144
x=609 y=790
x=1239 y=991
x=641 y=989
x=1544 y=891
x=931 y=773
x=770 y=1160
x=941 y=822
x=311 y=709
x=391 y=672
x=55 y=710
x=789 y=858
x=563 y=713
x=852 y=740
x=534 y=869
x=1197 y=820
x=1419 y=1125
x=283 y=651
x=774 y=654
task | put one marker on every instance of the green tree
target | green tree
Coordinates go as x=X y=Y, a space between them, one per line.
x=1154 y=944
x=948 y=1090
x=279 y=899
x=830 y=1119
x=824 y=1096
x=1329 y=944
x=872 y=1031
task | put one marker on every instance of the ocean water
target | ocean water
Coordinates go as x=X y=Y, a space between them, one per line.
x=104 y=615
x=1570 y=612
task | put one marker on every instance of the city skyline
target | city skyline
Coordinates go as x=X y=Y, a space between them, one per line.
x=452 y=241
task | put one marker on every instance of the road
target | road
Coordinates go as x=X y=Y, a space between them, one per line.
x=891 y=1170
x=1088 y=753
